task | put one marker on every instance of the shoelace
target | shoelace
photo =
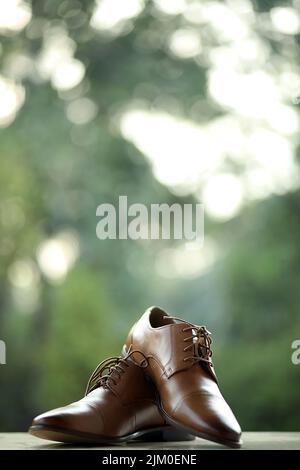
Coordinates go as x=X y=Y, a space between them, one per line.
x=202 y=345
x=115 y=367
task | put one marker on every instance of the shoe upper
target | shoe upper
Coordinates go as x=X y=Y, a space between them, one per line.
x=179 y=361
x=116 y=404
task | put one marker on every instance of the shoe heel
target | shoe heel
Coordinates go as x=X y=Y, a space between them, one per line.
x=166 y=434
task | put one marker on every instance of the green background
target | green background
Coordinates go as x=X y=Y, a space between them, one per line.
x=53 y=175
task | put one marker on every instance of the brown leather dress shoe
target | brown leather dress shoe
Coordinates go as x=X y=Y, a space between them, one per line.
x=117 y=407
x=179 y=363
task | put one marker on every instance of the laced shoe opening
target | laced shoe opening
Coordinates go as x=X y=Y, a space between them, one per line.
x=159 y=318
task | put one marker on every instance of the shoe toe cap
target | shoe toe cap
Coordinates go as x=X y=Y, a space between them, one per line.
x=75 y=417
x=209 y=415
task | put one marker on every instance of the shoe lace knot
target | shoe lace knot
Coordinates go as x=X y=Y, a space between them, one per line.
x=115 y=367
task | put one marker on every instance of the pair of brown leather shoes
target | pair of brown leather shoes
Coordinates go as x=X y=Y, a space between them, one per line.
x=163 y=388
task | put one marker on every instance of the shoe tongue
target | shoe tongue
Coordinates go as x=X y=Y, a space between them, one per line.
x=181 y=325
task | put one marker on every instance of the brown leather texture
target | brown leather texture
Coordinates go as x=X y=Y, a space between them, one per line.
x=179 y=363
x=120 y=404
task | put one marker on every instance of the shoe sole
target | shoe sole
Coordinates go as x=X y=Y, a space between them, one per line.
x=70 y=436
x=208 y=437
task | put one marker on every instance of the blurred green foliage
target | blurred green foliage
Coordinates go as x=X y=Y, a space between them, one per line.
x=53 y=176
